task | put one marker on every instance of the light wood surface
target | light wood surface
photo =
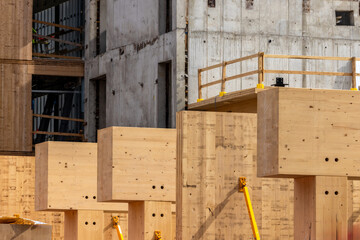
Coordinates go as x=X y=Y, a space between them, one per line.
x=15 y=108
x=57 y=25
x=213 y=150
x=57 y=40
x=59 y=134
x=136 y=164
x=146 y=217
x=51 y=67
x=16 y=29
x=308 y=57
x=17 y=195
x=309 y=73
x=93 y=225
x=308 y=132
x=58 y=117
x=321 y=208
x=66 y=177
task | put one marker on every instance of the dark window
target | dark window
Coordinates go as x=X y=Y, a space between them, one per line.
x=211 y=3
x=164 y=95
x=101 y=27
x=165 y=16
x=344 y=18
x=98 y=105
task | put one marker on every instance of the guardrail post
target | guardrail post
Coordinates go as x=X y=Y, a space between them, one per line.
x=353 y=82
x=261 y=70
x=199 y=86
x=222 y=92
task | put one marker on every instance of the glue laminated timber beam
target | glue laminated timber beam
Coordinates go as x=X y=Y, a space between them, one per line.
x=306 y=132
x=136 y=164
x=66 y=178
x=66 y=181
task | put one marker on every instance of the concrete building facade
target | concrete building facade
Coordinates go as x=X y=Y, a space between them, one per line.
x=142 y=57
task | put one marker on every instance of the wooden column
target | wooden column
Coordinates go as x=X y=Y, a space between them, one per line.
x=15 y=107
x=84 y=224
x=321 y=208
x=66 y=181
x=312 y=136
x=146 y=217
x=138 y=166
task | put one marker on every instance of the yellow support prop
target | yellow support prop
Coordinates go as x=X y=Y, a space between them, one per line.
x=354 y=89
x=117 y=226
x=157 y=235
x=200 y=99
x=244 y=189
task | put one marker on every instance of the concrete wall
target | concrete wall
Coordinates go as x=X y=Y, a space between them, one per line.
x=236 y=28
x=133 y=50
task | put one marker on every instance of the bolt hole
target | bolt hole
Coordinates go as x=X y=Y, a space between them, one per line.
x=86 y=223
x=86 y=197
x=326 y=159
x=153 y=214
x=336 y=192
x=326 y=192
x=336 y=159
x=162 y=187
x=153 y=187
x=94 y=223
x=94 y=197
x=162 y=215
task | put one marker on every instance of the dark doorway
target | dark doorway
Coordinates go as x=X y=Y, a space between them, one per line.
x=165 y=16
x=164 y=96
x=99 y=104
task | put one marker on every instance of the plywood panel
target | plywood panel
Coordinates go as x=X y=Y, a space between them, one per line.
x=146 y=217
x=16 y=29
x=25 y=232
x=136 y=164
x=66 y=177
x=213 y=151
x=17 y=181
x=15 y=108
x=96 y=225
x=321 y=208
x=308 y=132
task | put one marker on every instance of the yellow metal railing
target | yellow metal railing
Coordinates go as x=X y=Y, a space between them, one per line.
x=261 y=71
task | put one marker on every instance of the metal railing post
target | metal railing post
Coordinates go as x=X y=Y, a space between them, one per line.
x=353 y=82
x=199 y=86
x=222 y=92
x=261 y=70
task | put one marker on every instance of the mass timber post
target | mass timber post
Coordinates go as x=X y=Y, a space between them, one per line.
x=214 y=149
x=311 y=135
x=137 y=165
x=66 y=181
